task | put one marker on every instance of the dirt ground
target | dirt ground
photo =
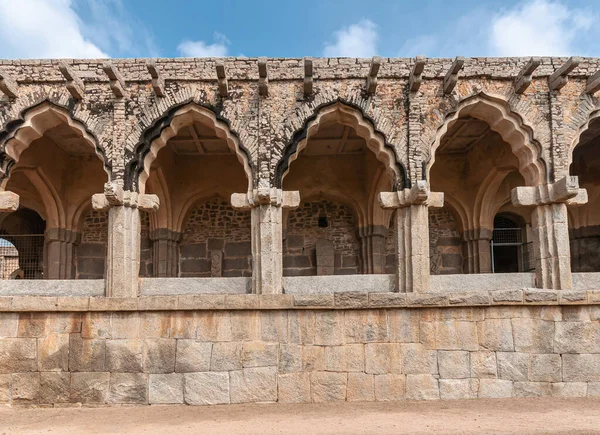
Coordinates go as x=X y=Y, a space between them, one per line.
x=506 y=416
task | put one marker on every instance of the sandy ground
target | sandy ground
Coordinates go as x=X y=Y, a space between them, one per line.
x=518 y=416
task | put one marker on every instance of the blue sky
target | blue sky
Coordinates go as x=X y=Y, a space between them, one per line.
x=436 y=28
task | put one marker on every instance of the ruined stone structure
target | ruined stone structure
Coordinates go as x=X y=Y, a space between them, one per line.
x=211 y=231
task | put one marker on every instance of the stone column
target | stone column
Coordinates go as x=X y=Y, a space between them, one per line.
x=477 y=251
x=59 y=249
x=372 y=248
x=123 y=253
x=412 y=233
x=165 y=252
x=266 y=206
x=551 y=228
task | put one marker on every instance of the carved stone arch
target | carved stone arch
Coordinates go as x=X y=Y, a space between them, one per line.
x=351 y=115
x=32 y=123
x=156 y=136
x=504 y=121
x=590 y=117
x=483 y=214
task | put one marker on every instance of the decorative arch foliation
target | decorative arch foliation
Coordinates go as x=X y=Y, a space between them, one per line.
x=510 y=125
x=31 y=124
x=157 y=134
x=354 y=116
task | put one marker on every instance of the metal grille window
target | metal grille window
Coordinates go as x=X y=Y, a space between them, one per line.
x=22 y=256
x=510 y=252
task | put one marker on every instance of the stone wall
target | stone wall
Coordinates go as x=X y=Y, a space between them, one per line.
x=215 y=227
x=209 y=356
x=585 y=249
x=303 y=230
x=445 y=247
x=146 y=265
x=91 y=252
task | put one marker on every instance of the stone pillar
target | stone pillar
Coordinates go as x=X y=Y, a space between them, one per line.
x=165 y=252
x=551 y=228
x=412 y=233
x=372 y=248
x=123 y=253
x=477 y=257
x=59 y=249
x=266 y=206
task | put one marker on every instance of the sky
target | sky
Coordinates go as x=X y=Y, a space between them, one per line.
x=289 y=28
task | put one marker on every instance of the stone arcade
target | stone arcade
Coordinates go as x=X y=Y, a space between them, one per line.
x=210 y=231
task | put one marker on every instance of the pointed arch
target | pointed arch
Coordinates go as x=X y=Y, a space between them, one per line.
x=593 y=116
x=156 y=136
x=32 y=123
x=347 y=114
x=508 y=124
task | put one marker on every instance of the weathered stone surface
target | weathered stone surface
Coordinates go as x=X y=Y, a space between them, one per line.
x=496 y=334
x=9 y=327
x=348 y=358
x=366 y=326
x=293 y=387
x=259 y=354
x=53 y=352
x=90 y=387
x=86 y=355
x=55 y=387
x=360 y=388
x=513 y=366
x=454 y=364
x=328 y=386
x=581 y=368
x=577 y=337
x=25 y=387
x=192 y=356
x=6 y=387
x=124 y=355
x=290 y=358
x=125 y=325
x=403 y=326
x=422 y=387
x=483 y=365
x=18 y=355
x=532 y=389
x=390 y=387
x=458 y=389
x=450 y=335
x=159 y=355
x=546 y=368
x=313 y=358
x=209 y=388
x=165 y=388
x=416 y=359
x=494 y=389
x=226 y=356
x=329 y=328
x=213 y=326
x=593 y=388
x=128 y=388
x=570 y=389
x=253 y=385
x=383 y=358
x=532 y=335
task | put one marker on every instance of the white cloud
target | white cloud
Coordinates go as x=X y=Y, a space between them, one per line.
x=219 y=48
x=357 y=40
x=43 y=29
x=424 y=44
x=539 y=27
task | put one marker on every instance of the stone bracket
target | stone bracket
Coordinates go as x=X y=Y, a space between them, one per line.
x=564 y=190
x=372 y=77
x=272 y=196
x=115 y=196
x=158 y=82
x=593 y=83
x=418 y=194
x=9 y=202
x=263 y=79
x=559 y=78
x=222 y=78
x=117 y=83
x=523 y=80
x=8 y=85
x=451 y=78
x=308 y=76
x=75 y=85
x=414 y=82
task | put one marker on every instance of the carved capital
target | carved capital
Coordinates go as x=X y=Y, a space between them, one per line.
x=115 y=196
x=265 y=196
x=9 y=202
x=566 y=190
x=419 y=194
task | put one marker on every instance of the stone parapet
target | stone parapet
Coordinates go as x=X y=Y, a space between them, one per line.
x=312 y=301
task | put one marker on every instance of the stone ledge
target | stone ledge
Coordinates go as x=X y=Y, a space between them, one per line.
x=337 y=301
